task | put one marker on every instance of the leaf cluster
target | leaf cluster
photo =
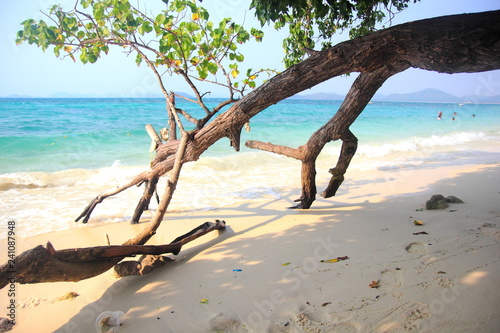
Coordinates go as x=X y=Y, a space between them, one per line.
x=313 y=22
x=180 y=39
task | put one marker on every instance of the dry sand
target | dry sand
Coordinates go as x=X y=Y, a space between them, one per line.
x=443 y=281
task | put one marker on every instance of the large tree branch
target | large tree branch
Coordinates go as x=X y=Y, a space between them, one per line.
x=420 y=44
x=361 y=92
x=449 y=44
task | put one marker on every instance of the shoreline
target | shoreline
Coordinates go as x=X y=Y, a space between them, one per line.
x=443 y=281
x=57 y=198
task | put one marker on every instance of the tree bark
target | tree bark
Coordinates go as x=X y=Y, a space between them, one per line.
x=361 y=92
x=45 y=264
x=448 y=44
x=349 y=147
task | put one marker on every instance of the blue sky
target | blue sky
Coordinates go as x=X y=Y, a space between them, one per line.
x=26 y=70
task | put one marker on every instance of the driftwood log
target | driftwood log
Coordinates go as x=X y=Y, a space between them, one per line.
x=46 y=264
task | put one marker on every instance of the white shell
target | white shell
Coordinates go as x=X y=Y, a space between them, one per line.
x=109 y=321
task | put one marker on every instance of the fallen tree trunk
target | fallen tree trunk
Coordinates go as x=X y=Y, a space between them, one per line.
x=448 y=44
x=45 y=264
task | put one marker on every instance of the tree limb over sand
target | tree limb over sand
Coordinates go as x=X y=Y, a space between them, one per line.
x=45 y=264
x=448 y=44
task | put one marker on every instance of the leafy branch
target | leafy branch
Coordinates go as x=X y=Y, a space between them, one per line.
x=180 y=40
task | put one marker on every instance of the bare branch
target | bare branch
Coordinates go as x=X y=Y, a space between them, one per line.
x=277 y=149
x=45 y=264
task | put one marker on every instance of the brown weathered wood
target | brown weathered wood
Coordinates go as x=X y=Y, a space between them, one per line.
x=282 y=150
x=152 y=134
x=149 y=191
x=361 y=92
x=155 y=222
x=45 y=264
x=449 y=44
x=349 y=147
x=165 y=150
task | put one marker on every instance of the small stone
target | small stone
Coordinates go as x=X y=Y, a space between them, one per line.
x=437 y=197
x=437 y=201
x=429 y=205
x=453 y=199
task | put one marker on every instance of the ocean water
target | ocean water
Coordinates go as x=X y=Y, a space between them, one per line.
x=58 y=154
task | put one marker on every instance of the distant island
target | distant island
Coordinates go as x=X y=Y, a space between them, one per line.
x=427 y=95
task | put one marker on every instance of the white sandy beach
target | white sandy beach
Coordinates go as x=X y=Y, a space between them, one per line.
x=443 y=281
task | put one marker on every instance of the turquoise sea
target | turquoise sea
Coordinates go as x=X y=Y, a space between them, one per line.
x=57 y=154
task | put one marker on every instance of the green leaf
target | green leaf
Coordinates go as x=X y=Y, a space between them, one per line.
x=105 y=32
x=98 y=12
x=85 y=3
x=212 y=67
x=71 y=22
x=83 y=57
x=205 y=15
x=258 y=34
x=20 y=36
x=160 y=19
x=202 y=74
x=57 y=50
x=194 y=61
x=92 y=58
x=138 y=59
x=197 y=38
x=54 y=8
x=166 y=43
x=142 y=30
x=193 y=7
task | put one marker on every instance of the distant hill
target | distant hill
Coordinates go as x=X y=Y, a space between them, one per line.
x=483 y=99
x=426 y=95
x=320 y=97
x=18 y=96
x=63 y=94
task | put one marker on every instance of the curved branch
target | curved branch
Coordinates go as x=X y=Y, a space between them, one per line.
x=349 y=147
x=361 y=92
x=450 y=44
x=139 y=179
